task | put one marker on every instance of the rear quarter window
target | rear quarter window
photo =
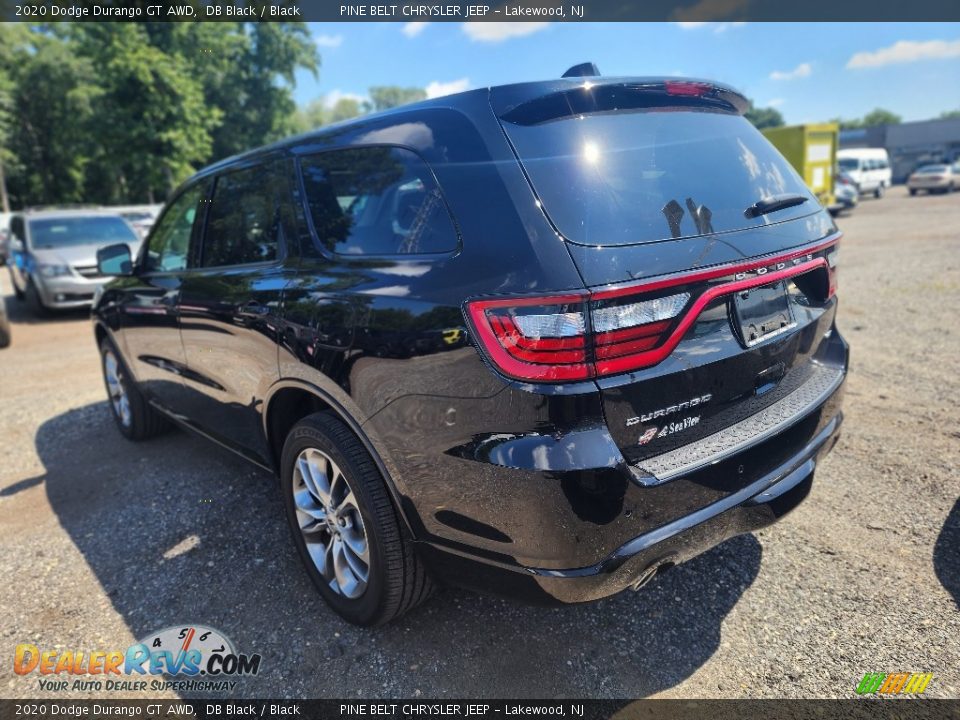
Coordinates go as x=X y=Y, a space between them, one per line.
x=376 y=201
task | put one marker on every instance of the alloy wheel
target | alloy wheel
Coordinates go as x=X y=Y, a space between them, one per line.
x=331 y=524
x=116 y=388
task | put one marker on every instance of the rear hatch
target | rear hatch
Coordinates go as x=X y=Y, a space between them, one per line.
x=709 y=264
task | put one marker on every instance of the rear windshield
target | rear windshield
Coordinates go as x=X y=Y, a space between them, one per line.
x=635 y=176
x=97 y=230
x=932 y=169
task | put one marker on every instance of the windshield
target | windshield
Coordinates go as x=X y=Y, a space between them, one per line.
x=635 y=176
x=849 y=163
x=48 y=233
x=932 y=169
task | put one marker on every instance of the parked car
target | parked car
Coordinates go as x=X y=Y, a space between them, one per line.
x=141 y=217
x=869 y=168
x=581 y=386
x=53 y=263
x=845 y=195
x=933 y=178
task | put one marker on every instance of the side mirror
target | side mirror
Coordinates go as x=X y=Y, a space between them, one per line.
x=114 y=260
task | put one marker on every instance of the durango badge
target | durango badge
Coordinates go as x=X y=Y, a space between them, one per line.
x=663 y=412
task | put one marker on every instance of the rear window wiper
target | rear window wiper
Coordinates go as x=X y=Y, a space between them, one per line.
x=772 y=204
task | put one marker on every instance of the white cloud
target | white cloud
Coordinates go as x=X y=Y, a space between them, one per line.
x=328 y=41
x=906 y=51
x=800 y=71
x=439 y=89
x=335 y=96
x=412 y=29
x=717 y=27
x=499 y=31
x=774 y=103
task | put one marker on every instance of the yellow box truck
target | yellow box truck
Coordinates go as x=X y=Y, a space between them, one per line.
x=812 y=150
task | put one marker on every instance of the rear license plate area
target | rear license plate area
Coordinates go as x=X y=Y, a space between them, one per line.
x=762 y=313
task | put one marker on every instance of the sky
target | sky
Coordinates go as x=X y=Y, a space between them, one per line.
x=808 y=71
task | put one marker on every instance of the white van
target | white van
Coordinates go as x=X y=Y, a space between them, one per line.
x=868 y=167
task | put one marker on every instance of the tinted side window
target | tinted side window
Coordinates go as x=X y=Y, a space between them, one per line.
x=376 y=201
x=169 y=244
x=243 y=221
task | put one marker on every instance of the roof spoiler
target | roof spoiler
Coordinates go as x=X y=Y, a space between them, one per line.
x=534 y=103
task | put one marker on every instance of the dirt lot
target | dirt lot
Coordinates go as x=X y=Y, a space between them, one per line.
x=103 y=541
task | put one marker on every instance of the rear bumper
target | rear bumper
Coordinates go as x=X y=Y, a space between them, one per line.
x=928 y=185
x=557 y=519
x=759 y=504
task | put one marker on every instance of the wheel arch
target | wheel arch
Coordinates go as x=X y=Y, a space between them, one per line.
x=290 y=400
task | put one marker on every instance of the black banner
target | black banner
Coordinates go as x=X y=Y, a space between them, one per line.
x=419 y=709
x=480 y=10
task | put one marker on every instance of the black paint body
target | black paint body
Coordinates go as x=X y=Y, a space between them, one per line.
x=530 y=490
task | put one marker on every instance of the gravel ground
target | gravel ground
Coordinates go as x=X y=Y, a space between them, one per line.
x=103 y=541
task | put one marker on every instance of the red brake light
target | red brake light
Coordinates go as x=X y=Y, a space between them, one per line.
x=686 y=89
x=586 y=334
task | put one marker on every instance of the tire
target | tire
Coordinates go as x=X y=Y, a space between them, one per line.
x=878 y=193
x=396 y=579
x=138 y=420
x=34 y=301
x=913 y=191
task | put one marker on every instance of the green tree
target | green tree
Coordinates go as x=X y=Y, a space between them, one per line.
x=950 y=115
x=246 y=70
x=384 y=97
x=879 y=116
x=152 y=124
x=762 y=118
x=345 y=109
x=847 y=124
x=51 y=98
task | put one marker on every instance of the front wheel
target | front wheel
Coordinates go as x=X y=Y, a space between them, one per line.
x=345 y=526
x=878 y=193
x=135 y=417
x=913 y=191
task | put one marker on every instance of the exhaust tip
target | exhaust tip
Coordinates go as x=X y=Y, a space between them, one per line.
x=647 y=575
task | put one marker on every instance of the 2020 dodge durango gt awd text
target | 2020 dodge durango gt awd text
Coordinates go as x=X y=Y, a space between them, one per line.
x=539 y=339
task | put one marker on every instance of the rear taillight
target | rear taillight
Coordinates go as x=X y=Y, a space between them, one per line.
x=581 y=335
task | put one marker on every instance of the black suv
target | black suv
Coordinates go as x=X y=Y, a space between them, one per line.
x=543 y=339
